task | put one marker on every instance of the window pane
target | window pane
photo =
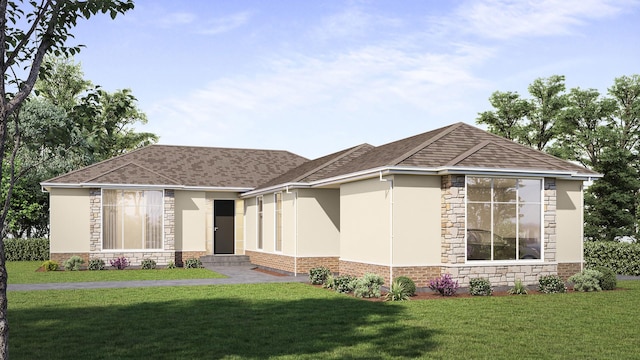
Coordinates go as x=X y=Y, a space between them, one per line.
x=529 y=231
x=132 y=220
x=504 y=230
x=529 y=190
x=504 y=190
x=111 y=224
x=479 y=231
x=153 y=220
x=478 y=189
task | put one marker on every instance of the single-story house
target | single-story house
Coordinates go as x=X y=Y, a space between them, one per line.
x=454 y=200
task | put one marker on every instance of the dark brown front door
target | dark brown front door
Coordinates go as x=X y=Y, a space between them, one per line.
x=223 y=226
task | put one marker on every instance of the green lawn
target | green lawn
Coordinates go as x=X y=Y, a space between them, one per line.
x=298 y=321
x=24 y=272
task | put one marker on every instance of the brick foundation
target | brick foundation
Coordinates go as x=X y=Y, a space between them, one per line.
x=358 y=269
x=273 y=261
x=307 y=263
x=181 y=256
x=60 y=258
x=421 y=275
x=565 y=270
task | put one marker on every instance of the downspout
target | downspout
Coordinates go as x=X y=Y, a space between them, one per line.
x=582 y=227
x=390 y=181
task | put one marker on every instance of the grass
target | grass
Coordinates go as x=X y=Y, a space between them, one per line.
x=24 y=272
x=298 y=321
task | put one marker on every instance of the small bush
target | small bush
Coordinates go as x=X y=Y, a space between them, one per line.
x=50 y=265
x=330 y=282
x=26 y=249
x=344 y=283
x=119 y=263
x=171 y=265
x=480 y=287
x=397 y=292
x=73 y=263
x=368 y=286
x=148 y=264
x=96 y=264
x=409 y=285
x=518 y=288
x=444 y=285
x=318 y=275
x=587 y=280
x=608 y=281
x=551 y=284
x=193 y=263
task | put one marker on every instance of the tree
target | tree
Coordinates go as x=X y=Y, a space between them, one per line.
x=46 y=29
x=507 y=120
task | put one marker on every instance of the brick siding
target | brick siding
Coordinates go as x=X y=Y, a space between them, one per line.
x=565 y=270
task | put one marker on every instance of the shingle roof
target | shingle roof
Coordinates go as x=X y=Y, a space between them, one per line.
x=186 y=166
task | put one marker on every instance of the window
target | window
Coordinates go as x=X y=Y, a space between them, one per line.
x=132 y=219
x=278 y=203
x=260 y=223
x=504 y=218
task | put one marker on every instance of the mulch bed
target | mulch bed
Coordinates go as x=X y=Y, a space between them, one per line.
x=274 y=273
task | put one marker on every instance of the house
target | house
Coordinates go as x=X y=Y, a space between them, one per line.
x=453 y=200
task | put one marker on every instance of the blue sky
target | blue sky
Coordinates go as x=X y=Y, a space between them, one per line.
x=314 y=77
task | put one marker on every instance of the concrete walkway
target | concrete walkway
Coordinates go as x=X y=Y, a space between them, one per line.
x=236 y=275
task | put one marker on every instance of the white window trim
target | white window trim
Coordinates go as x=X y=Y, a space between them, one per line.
x=259 y=222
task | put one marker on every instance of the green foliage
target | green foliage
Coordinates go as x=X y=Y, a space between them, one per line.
x=330 y=282
x=408 y=284
x=397 y=292
x=608 y=280
x=96 y=264
x=621 y=258
x=74 y=263
x=587 y=280
x=551 y=284
x=148 y=264
x=318 y=275
x=50 y=265
x=444 y=285
x=480 y=287
x=344 y=283
x=518 y=288
x=192 y=263
x=26 y=249
x=368 y=286
x=171 y=265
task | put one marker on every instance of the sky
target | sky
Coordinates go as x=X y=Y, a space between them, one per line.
x=316 y=77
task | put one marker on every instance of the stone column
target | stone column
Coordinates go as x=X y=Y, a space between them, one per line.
x=453 y=220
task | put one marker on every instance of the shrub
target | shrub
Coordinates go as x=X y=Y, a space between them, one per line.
x=444 y=285
x=318 y=275
x=26 y=249
x=50 y=265
x=73 y=263
x=148 y=264
x=119 y=263
x=368 y=286
x=622 y=258
x=518 y=288
x=587 y=280
x=96 y=264
x=551 y=284
x=409 y=285
x=480 y=287
x=171 y=265
x=330 y=282
x=344 y=283
x=397 y=292
x=193 y=263
x=608 y=281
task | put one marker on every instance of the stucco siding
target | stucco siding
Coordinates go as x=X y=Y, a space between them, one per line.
x=250 y=224
x=70 y=220
x=190 y=213
x=416 y=220
x=318 y=222
x=569 y=222
x=365 y=221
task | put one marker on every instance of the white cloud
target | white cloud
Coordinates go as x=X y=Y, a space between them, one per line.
x=176 y=18
x=350 y=23
x=224 y=24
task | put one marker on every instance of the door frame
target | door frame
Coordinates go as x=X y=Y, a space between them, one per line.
x=213 y=245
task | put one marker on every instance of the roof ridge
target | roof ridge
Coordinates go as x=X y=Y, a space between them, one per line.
x=329 y=162
x=425 y=144
x=135 y=164
x=468 y=153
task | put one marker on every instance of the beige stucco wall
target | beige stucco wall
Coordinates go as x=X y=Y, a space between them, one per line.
x=365 y=221
x=191 y=220
x=69 y=220
x=416 y=220
x=569 y=222
x=250 y=224
x=318 y=222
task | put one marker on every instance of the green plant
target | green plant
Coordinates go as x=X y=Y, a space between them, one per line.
x=318 y=275
x=587 y=280
x=73 y=263
x=409 y=285
x=96 y=264
x=622 y=258
x=26 y=249
x=50 y=265
x=518 y=288
x=148 y=264
x=480 y=287
x=193 y=263
x=551 y=284
x=397 y=292
x=344 y=283
x=171 y=265
x=608 y=281
x=329 y=283
x=368 y=286
x=444 y=285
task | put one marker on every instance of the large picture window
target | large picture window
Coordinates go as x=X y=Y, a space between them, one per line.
x=504 y=217
x=132 y=219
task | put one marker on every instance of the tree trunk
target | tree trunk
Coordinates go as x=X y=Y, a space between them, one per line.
x=4 y=323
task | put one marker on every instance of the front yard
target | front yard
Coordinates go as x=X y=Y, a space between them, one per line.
x=298 y=321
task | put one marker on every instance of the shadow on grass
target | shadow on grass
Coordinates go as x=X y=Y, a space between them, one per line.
x=216 y=328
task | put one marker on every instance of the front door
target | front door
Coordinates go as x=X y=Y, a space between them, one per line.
x=223 y=226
